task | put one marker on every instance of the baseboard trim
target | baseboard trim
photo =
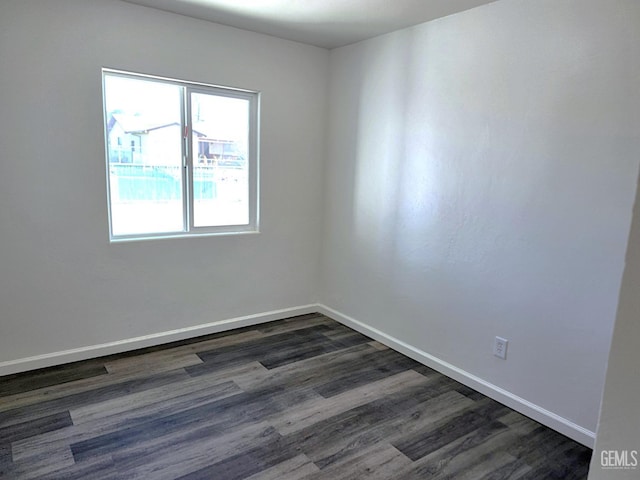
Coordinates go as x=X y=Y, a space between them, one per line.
x=556 y=422
x=94 y=351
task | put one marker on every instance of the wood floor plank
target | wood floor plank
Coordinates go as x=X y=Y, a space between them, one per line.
x=102 y=468
x=294 y=323
x=160 y=400
x=426 y=371
x=469 y=392
x=472 y=456
x=297 y=467
x=383 y=364
x=301 y=398
x=6 y=462
x=99 y=391
x=44 y=464
x=209 y=342
x=519 y=423
x=567 y=460
x=219 y=415
x=378 y=345
x=437 y=461
x=473 y=469
x=311 y=349
x=540 y=444
x=315 y=411
x=309 y=372
x=187 y=421
x=20 y=431
x=170 y=460
x=379 y=462
x=515 y=470
x=163 y=359
x=396 y=424
x=329 y=370
x=339 y=330
x=421 y=443
x=247 y=463
x=25 y=382
x=319 y=439
x=79 y=388
x=260 y=349
x=254 y=349
x=105 y=422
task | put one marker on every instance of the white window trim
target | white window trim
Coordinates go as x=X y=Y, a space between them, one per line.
x=190 y=230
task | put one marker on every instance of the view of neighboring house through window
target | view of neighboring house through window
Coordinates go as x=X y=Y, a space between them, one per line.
x=181 y=157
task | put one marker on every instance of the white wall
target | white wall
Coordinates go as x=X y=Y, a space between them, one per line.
x=480 y=179
x=62 y=285
x=619 y=425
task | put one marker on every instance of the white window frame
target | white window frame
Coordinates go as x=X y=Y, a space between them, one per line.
x=188 y=87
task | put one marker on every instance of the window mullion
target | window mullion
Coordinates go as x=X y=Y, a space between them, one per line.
x=187 y=135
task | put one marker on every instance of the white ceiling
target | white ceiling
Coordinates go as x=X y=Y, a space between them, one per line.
x=325 y=23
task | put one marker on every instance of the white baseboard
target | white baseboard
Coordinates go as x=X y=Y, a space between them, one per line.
x=556 y=422
x=93 y=351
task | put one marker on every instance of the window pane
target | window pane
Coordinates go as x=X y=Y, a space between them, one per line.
x=145 y=156
x=220 y=129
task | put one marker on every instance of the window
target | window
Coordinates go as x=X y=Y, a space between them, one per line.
x=181 y=157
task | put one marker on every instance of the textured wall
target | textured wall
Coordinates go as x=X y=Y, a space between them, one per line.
x=619 y=426
x=481 y=173
x=62 y=285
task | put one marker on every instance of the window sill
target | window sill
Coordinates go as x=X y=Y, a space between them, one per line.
x=179 y=235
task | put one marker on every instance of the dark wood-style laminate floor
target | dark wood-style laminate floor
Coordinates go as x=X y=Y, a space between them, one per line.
x=302 y=398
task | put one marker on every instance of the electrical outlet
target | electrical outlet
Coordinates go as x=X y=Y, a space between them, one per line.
x=500 y=347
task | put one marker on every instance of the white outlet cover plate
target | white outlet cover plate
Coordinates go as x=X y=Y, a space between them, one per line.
x=500 y=347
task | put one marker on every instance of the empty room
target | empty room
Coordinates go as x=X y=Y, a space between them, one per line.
x=340 y=239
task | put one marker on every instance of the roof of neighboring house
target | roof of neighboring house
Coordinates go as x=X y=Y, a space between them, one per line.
x=141 y=124
x=137 y=123
x=217 y=127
